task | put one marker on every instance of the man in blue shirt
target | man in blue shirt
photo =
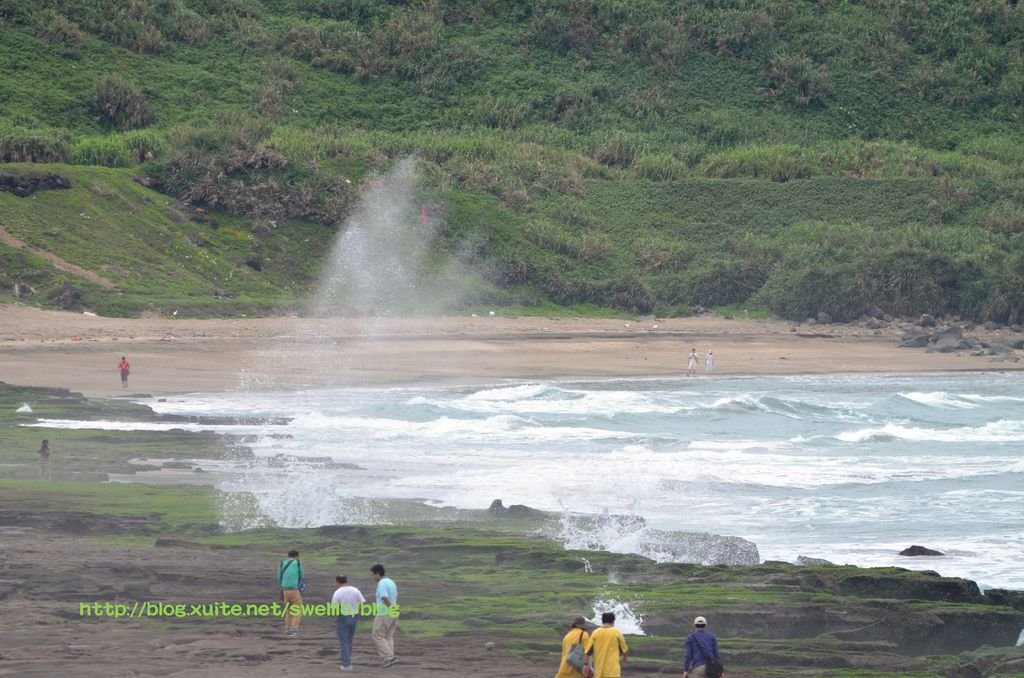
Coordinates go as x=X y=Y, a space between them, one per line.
x=386 y=621
x=700 y=645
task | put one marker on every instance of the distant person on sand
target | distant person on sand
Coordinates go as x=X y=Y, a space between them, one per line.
x=124 y=368
x=290 y=577
x=577 y=635
x=701 y=645
x=691 y=363
x=346 y=600
x=44 y=461
x=386 y=621
x=605 y=647
x=709 y=362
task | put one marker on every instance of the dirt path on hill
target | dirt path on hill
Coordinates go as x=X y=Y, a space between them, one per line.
x=58 y=263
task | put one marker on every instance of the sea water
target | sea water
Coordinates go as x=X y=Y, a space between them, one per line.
x=851 y=469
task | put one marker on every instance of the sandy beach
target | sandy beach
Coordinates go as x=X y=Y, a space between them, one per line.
x=168 y=355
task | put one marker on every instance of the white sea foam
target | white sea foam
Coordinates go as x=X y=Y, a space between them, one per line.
x=24 y=408
x=957 y=400
x=774 y=460
x=509 y=393
x=108 y=425
x=510 y=428
x=1003 y=431
x=627 y=620
x=534 y=400
x=940 y=399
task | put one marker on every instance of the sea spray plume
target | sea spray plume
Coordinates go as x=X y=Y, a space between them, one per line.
x=375 y=268
x=630 y=534
x=290 y=492
x=627 y=619
x=376 y=265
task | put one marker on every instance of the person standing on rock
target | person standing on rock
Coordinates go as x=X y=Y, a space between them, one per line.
x=605 y=647
x=346 y=600
x=290 y=577
x=124 y=368
x=691 y=363
x=577 y=635
x=386 y=620
x=701 y=646
x=44 y=461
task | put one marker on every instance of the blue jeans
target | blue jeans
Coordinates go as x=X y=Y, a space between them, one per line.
x=346 y=628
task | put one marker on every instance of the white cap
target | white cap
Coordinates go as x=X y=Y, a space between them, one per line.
x=700 y=621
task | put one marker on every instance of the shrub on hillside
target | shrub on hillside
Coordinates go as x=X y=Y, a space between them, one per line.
x=119 y=104
x=56 y=29
x=562 y=32
x=798 y=80
x=235 y=167
x=617 y=150
x=845 y=269
x=30 y=144
x=778 y=163
x=661 y=42
x=104 y=151
x=118 y=150
x=659 y=167
x=1001 y=295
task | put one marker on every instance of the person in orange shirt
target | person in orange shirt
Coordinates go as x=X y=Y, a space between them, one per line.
x=124 y=368
x=577 y=635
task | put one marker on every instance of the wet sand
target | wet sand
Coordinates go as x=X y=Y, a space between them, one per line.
x=168 y=355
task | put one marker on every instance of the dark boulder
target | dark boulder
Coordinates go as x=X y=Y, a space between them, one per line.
x=67 y=296
x=948 y=340
x=1007 y=597
x=927 y=320
x=910 y=587
x=514 y=511
x=920 y=551
x=24 y=185
x=21 y=290
x=805 y=561
x=824 y=318
x=911 y=340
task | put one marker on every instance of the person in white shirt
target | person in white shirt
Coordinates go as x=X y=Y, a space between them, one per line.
x=691 y=363
x=346 y=600
x=709 y=362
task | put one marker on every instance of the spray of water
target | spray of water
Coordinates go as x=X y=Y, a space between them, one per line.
x=376 y=265
x=289 y=492
x=626 y=619
x=1020 y=639
x=629 y=533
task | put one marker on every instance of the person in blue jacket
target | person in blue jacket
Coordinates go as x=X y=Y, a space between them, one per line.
x=700 y=645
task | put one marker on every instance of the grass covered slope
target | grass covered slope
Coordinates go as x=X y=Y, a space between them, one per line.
x=147 y=253
x=643 y=156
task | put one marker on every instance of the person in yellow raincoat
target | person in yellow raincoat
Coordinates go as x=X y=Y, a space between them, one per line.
x=577 y=635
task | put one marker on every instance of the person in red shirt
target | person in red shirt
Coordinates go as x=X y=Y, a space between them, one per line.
x=123 y=367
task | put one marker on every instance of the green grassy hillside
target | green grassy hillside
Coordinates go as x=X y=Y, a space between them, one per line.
x=641 y=156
